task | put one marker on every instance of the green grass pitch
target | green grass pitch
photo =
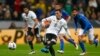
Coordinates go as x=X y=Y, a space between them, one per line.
x=23 y=50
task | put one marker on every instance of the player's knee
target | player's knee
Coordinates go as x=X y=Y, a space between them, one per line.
x=29 y=38
x=60 y=36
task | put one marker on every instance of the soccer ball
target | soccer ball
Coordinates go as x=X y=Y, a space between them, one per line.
x=12 y=45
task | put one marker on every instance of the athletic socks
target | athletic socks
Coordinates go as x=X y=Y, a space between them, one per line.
x=52 y=52
x=96 y=42
x=71 y=41
x=31 y=45
x=49 y=46
x=61 y=44
x=81 y=43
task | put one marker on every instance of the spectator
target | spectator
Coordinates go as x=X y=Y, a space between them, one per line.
x=42 y=5
x=68 y=7
x=17 y=5
x=1 y=12
x=7 y=7
x=62 y=1
x=90 y=7
x=16 y=16
x=30 y=1
x=93 y=3
x=10 y=3
x=39 y=13
x=2 y=1
x=7 y=15
x=81 y=7
x=93 y=16
x=74 y=2
x=98 y=8
x=12 y=26
x=88 y=12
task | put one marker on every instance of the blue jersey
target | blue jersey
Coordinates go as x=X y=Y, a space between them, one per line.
x=64 y=13
x=83 y=21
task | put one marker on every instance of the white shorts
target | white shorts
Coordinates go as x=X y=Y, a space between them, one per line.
x=90 y=33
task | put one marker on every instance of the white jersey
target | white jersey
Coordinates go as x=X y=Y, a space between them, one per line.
x=55 y=25
x=29 y=18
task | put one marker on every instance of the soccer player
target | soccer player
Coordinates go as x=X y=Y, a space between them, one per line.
x=62 y=35
x=30 y=24
x=86 y=26
x=56 y=23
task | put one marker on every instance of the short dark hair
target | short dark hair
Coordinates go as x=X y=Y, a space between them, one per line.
x=76 y=9
x=26 y=6
x=58 y=10
x=59 y=4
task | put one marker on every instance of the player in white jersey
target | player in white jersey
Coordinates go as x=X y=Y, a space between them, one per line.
x=30 y=24
x=56 y=23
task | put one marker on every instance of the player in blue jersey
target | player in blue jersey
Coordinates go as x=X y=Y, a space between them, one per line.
x=86 y=27
x=62 y=35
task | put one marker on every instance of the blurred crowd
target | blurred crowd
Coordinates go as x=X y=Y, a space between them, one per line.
x=12 y=9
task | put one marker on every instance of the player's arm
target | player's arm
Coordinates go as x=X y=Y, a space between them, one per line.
x=36 y=22
x=76 y=25
x=34 y=17
x=68 y=18
x=66 y=29
x=25 y=25
x=66 y=15
x=48 y=19
x=85 y=29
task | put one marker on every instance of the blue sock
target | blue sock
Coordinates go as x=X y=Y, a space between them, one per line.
x=71 y=41
x=61 y=44
x=96 y=42
x=82 y=46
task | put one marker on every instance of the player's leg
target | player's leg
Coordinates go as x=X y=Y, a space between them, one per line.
x=61 y=44
x=96 y=41
x=29 y=39
x=37 y=34
x=69 y=39
x=51 y=40
x=61 y=35
x=92 y=39
x=81 y=42
x=52 y=51
x=50 y=47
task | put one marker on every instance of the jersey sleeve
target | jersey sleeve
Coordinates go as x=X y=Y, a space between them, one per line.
x=65 y=25
x=23 y=16
x=47 y=19
x=33 y=15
